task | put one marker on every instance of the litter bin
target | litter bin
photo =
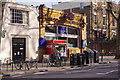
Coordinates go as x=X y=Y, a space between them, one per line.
x=79 y=59
x=91 y=56
x=83 y=58
x=95 y=61
x=87 y=57
x=96 y=57
x=73 y=59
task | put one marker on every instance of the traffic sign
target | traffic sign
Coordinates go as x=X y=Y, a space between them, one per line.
x=70 y=16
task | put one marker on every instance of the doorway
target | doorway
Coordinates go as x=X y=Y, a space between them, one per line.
x=18 y=48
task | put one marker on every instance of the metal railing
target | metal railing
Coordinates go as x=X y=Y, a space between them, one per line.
x=11 y=65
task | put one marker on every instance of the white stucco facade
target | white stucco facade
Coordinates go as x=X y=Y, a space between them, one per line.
x=8 y=1
x=30 y=31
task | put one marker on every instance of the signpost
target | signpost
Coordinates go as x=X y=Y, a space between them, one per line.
x=0 y=70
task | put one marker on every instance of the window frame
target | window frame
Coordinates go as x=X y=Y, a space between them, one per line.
x=95 y=7
x=95 y=19
x=14 y=16
x=113 y=22
x=104 y=21
x=104 y=10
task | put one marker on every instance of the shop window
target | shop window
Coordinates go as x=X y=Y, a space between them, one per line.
x=62 y=38
x=51 y=29
x=19 y=16
x=61 y=30
x=72 y=31
x=72 y=42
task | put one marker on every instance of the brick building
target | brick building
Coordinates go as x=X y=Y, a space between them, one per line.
x=97 y=19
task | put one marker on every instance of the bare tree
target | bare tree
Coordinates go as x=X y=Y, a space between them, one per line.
x=117 y=18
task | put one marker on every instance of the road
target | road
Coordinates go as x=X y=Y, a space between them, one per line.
x=109 y=70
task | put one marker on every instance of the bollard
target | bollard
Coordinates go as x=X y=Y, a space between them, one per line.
x=0 y=70
x=7 y=65
x=12 y=66
x=36 y=64
x=0 y=66
x=25 y=66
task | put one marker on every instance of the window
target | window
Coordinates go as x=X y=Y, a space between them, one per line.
x=19 y=16
x=72 y=42
x=81 y=5
x=95 y=7
x=104 y=10
x=61 y=30
x=104 y=32
x=113 y=32
x=104 y=20
x=50 y=29
x=72 y=31
x=113 y=9
x=95 y=19
x=113 y=22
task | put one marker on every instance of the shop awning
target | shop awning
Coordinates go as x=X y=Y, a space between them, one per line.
x=89 y=50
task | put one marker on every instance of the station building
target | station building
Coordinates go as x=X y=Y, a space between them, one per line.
x=22 y=35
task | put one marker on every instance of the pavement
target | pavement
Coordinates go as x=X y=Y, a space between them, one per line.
x=45 y=68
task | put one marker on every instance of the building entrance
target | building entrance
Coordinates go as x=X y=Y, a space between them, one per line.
x=18 y=48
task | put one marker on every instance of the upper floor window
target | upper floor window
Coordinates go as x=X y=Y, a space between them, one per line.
x=104 y=21
x=95 y=7
x=104 y=10
x=113 y=9
x=19 y=16
x=113 y=32
x=81 y=5
x=95 y=19
x=113 y=22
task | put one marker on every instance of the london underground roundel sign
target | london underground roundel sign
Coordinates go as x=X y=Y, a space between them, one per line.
x=70 y=16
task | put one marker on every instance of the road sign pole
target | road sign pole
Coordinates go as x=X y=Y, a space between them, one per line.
x=0 y=70
x=101 y=46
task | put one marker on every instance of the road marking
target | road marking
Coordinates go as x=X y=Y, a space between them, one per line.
x=60 y=70
x=108 y=72
x=75 y=68
x=107 y=66
x=78 y=71
x=41 y=73
x=17 y=75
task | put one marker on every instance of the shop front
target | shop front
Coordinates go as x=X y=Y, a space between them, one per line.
x=56 y=48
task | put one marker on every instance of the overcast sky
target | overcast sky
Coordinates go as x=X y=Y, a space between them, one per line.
x=48 y=3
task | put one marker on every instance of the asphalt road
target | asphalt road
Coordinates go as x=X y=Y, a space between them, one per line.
x=109 y=70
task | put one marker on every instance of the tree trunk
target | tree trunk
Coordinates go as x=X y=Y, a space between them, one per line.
x=118 y=36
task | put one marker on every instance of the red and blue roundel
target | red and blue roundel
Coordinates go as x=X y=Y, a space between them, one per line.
x=70 y=16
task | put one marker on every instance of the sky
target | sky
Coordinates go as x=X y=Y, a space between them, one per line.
x=48 y=3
